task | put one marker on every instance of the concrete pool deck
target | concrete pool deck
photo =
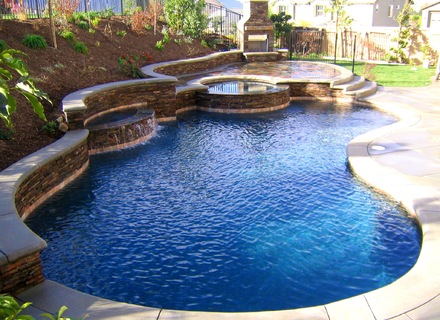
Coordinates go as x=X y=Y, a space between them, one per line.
x=402 y=160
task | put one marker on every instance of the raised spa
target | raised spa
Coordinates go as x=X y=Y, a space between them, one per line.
x=243 y=96
x=119 y=128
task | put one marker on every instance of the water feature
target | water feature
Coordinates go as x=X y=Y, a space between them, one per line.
x=230 y=213
x=242 y=87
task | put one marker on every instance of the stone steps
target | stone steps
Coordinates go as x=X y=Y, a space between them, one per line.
x=358 y=87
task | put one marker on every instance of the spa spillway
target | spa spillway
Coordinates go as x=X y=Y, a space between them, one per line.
x=242 y=96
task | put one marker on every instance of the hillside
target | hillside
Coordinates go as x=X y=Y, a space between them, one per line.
x=61 y=71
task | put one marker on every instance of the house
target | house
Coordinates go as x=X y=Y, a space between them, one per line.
x=431 y=16
x=366 y=14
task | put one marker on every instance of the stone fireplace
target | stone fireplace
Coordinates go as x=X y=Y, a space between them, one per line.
x=255 y=28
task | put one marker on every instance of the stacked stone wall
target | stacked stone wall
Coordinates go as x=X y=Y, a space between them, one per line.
x=21 y=275
x=53 y=174
x=195 y=66
x=159 y=96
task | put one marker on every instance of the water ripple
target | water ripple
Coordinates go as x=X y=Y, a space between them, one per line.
x=230 y=213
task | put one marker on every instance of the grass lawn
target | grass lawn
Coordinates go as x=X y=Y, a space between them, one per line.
x=393 y=75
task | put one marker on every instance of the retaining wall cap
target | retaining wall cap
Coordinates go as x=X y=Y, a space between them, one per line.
x=150 y=69
x=17 y=240
x=75 y=100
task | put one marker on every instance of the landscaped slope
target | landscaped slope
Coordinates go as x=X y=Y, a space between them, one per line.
x=61 y=71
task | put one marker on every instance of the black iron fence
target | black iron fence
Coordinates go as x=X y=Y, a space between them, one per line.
x=321 y=44
x=222 y=24
x=14 y=9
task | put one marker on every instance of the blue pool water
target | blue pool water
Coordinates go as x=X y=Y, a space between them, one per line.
x=230 y=213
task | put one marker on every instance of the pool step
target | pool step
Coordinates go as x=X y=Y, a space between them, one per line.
x=355 y=83
x=358 y=87
x=369 y=88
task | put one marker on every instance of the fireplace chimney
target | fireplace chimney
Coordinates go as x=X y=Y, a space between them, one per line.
x=257 y=34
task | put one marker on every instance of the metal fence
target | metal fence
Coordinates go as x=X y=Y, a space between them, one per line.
x=222 y=23
x=11 y=9
x=317 y=44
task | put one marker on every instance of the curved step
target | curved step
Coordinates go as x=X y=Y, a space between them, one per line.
x=355 y=83
x=368 y=88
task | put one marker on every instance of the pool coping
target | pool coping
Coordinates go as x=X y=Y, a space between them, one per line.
x=414 y=295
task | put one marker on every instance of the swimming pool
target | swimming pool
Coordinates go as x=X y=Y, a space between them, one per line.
x=230 y=213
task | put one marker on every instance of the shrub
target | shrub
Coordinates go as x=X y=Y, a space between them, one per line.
x=67 y=34
x=159 y=45
x=166 y=37
x=186 y=16
x=80 y=47
x=122 y=33
x=129 y=64
x=11 y=66
x=65 y=8
x=95 y=21
x=51 y=128
x=34 y=41
x=83 y=24
x=3 y=45
x=10 y=309
x=140 y=19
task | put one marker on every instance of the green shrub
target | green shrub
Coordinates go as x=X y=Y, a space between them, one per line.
x=83 y=24
x=166 y=38
x=204 y=43
x=10 y=66
x=122 y=33
x=159 y=45
x=10 y=309
x=34 y=41
x=67 y=34
x=3 y=45
x=80 y=47
x=95 y=21
x=51 y=128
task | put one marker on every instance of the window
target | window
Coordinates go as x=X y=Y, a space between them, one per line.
x=319 y=10
x=282 y=9
x=390 y=10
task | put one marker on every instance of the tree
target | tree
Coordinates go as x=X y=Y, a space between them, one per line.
x=12 y=67
x=281 y=24
x=398 y=53
x=342 y=19
x=186 y=16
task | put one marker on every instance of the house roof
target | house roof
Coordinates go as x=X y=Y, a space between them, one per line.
x=312 y=1
x=429 y=5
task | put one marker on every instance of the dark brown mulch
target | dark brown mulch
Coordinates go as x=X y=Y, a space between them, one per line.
x=61 y=71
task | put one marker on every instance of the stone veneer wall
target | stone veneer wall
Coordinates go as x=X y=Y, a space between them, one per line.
x=243 y=102
x=155 y=95
x=24 y=186
x=199 y=65
x=109 y=138
x=22 y=274
x=314 y=90
x=36 y=188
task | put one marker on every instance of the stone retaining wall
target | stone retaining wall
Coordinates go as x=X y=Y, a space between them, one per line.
x=137 y=129
x=200 y=64
x=24 y=186
x=242 y=103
